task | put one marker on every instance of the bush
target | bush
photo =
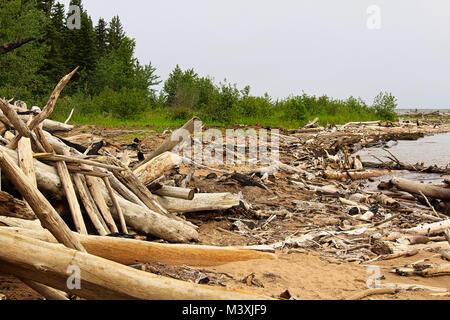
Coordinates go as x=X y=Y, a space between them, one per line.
x=384 y=106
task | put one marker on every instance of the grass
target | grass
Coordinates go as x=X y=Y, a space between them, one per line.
x=160 y=120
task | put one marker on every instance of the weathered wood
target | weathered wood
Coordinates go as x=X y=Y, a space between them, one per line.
x=100 y=278
x=48 y=109
x=174 y=192
x=172 y=141
x=129 y=251
x=67 y=184
x=94 y=186
x=89 y=205
x=47 y=292
x=202 y=202
x=141 y=219
x=416 y=188
x=154 y=168
x=49 y=218
x=429 y=229
x=69 y=159
x=128 y=178
x=123 y=225
x=11 y=207
x=357 y=175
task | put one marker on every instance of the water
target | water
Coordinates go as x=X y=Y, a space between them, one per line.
x=430 y=150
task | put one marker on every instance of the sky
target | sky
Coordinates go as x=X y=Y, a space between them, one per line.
x=338 y=48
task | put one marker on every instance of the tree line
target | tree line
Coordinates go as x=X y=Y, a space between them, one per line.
x=112 y=82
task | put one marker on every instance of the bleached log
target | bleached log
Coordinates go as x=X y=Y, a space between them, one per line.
x=156 y=167
x=140 y=218
x=47 y=292
x=172 y=141
x=89 y=205
x=129 y=251
x=48 y=109
x=202 y=202
x=123 y=225
x=49 y=218
x=429 y=229
x=55 y=126
x=416 y=188
x=334 y=175
x=94 y=185
x=11 y=207
x=174 y=192
x=100 y=278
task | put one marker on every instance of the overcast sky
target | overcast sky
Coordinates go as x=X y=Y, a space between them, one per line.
x=288 y=46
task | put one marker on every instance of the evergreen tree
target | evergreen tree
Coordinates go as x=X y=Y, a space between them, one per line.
x=20 y=19
x=45 y=6
x=101 y=32
x=115 y=33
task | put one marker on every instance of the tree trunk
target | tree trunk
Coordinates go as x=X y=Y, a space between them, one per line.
x=416 y=188
x=100 y=278
x=129 y=251
x=157 y=166
x=202 y=202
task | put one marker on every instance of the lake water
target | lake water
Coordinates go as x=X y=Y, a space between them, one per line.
x=431 y=150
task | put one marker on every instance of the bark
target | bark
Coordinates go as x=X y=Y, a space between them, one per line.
x=7 y=47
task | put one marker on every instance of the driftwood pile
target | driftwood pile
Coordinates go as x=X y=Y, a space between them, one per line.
x=45 y=177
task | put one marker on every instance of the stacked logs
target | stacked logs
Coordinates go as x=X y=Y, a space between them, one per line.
x=38 y=247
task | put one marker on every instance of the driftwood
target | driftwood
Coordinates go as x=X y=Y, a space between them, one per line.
x=357 y=175
x=154 y=168
x=172 y=141
x=418 y=188
x=202 y=202
x=424 y=271
x=173 y=192
x=116 y=205
x=140 y=218
x=100 y=278
x=129 y=251
x=49 y=218
x=11 y=207
x=48 y=109
x=429 y=229
x=89 y=205
x=47 y=292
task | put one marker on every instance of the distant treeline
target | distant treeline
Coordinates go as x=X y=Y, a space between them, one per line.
x=112 y=84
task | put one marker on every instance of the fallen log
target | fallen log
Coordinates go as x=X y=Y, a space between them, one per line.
x=100 y=278
x=418 y=188
x=334 y=175
x=172 y=141
x=424 y=271
x=11 y=207
x=48 y=109
x=429 y=229
x=140 y=218
x=130 y=252
x=202 y=202
x=174 y=192
x=156 y=167
x=49 y=218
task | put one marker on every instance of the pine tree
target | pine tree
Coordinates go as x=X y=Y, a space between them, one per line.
x=115 y=33
x=101 y=31
x=45 y=6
